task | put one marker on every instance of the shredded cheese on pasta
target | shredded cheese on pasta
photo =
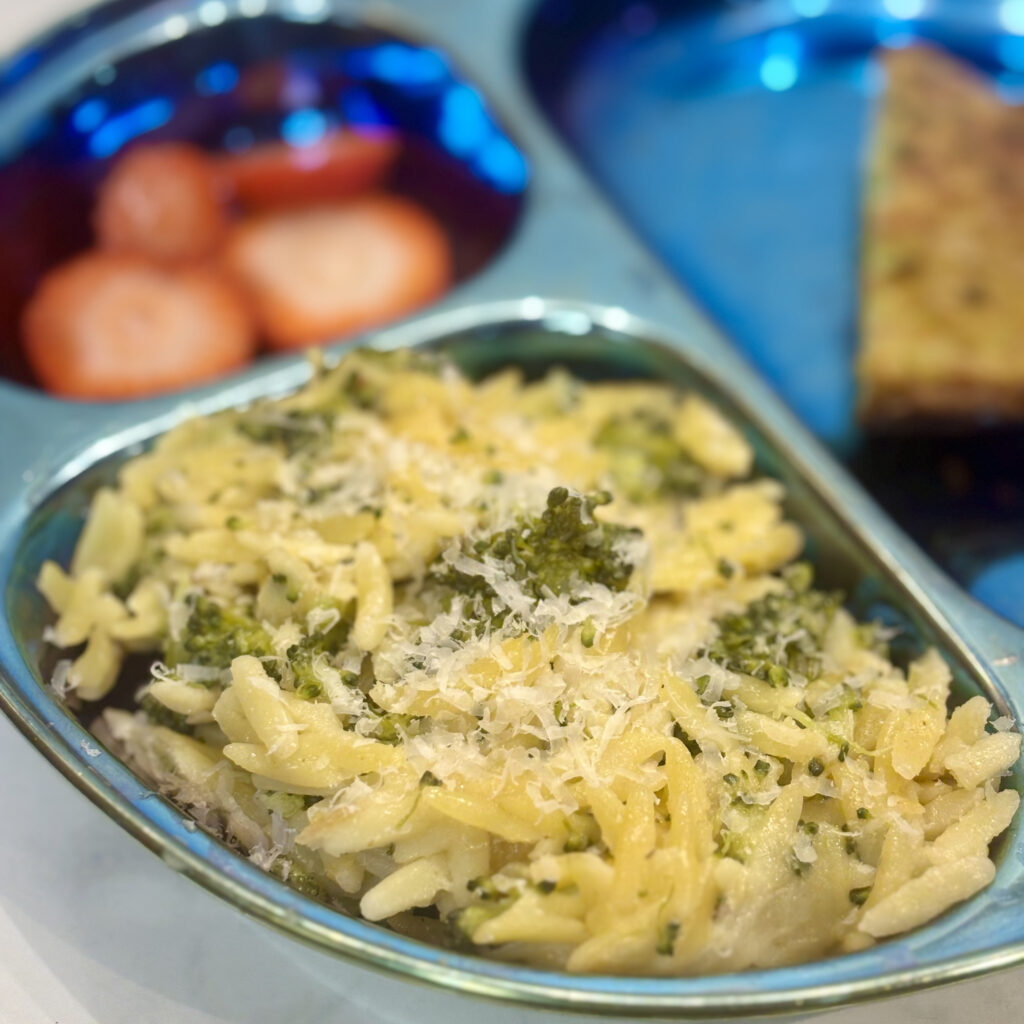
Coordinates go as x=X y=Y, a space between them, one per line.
x=532 y=660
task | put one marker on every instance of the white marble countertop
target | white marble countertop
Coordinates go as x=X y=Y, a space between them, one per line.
x=96 y=930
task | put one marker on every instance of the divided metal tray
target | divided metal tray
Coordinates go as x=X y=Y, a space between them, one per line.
x=571 y=286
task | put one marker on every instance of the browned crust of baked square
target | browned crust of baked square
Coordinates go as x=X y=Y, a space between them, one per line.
x=942 y=316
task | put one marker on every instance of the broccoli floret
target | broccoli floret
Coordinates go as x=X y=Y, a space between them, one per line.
x=215 y=636
x=296 y=430
x=360 y=390
x=779 y=633
x=391 y=727
x=158 y=714
x=302 y=655
x=553 y=553
x=647 y=460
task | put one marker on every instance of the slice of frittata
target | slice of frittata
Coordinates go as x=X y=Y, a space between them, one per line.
x=942 y=330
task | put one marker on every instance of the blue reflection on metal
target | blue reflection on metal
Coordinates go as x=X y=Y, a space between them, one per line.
x=121 y=129
x=780 y=67
x=19 y=66
x=904 y=9
x=359 y=107
x=304 y=127
x=810 y=8
x=89 y=115
x=1011 y=52
x=399 y=64
x=1011 y=16
x=1001 y=586
x=464 y=125
x=503 y=165
x=217 y=79
x=779 y=72
x=452 y=111
x=895 y=35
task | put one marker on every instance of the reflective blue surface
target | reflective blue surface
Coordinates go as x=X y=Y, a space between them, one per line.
x=733 y=137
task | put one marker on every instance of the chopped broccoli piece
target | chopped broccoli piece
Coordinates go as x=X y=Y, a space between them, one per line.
x=215 y=636
x=493 y=901
x=732 y=845
x=588 y=634
x=667 y=939
x=298 y=878
x=484 y=889
x=160 y=715
x=859 y=896
x=647 y=460
x=799 y=867
x=391 y=727
x=285 y=804
x=779 y=633
x=471 y=918
x=296 y=430
x=687 y=741
x=302 y=655
x=553 y=553
x=306 y=430
x=583 y=832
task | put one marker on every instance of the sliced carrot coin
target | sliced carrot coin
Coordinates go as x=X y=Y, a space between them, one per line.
x=164 y=201
x=275 y=175
x=109 y=326
x=322 y=273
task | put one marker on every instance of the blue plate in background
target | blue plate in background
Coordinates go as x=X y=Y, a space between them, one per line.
x=732 y=135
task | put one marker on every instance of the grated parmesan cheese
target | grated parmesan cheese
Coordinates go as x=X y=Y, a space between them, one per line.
x=611 y=732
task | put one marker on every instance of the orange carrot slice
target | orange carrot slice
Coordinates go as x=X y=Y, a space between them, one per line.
x=163 y=201
x=276 y=175
x=108 y=326
x=322 y=273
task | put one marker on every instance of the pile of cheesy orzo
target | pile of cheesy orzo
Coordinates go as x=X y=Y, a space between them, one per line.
x=526 y=666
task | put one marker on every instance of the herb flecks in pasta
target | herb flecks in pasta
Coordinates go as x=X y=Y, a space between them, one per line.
x=530 y=667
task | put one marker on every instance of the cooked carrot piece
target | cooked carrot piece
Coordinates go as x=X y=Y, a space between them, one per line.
x=109 y=326
x=164 y=201
x=275 y=175
x=325 y=272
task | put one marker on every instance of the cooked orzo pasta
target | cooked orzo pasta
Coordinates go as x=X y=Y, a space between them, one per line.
x=529 y=667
